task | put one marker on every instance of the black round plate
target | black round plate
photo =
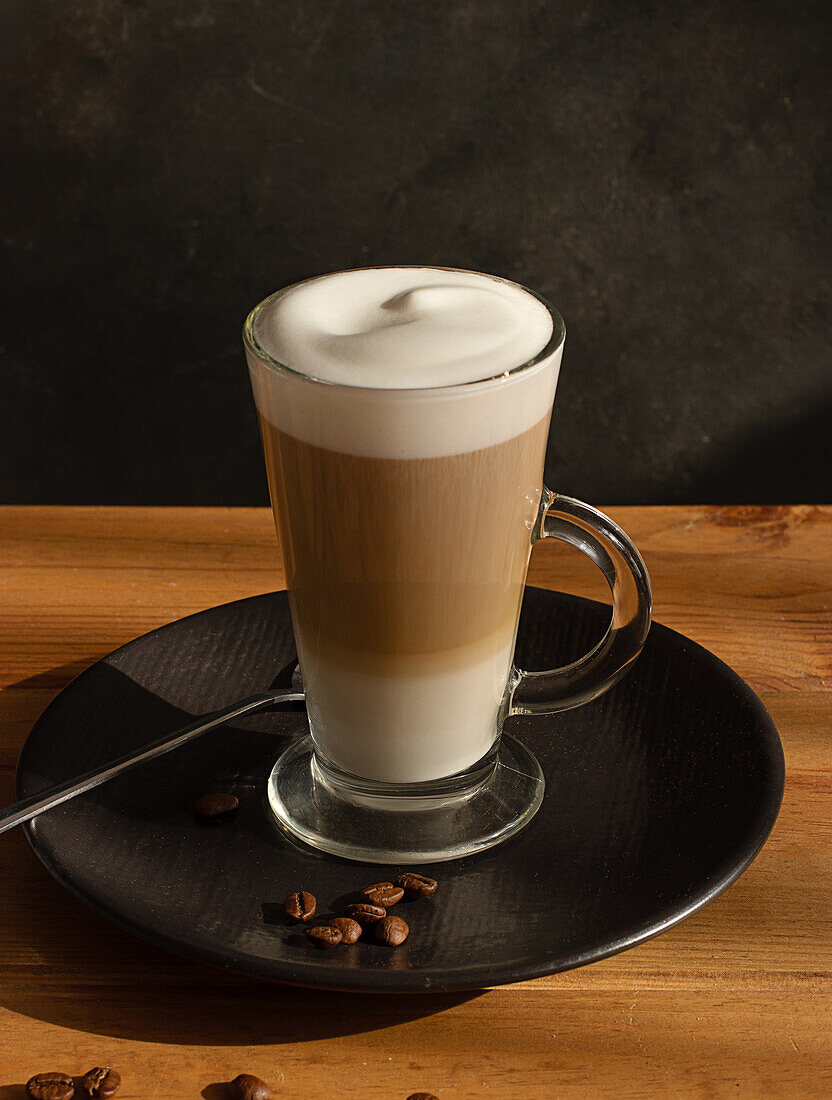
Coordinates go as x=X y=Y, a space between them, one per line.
x=659 y=794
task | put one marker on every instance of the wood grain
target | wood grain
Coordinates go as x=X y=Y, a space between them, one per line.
x=733 y=1002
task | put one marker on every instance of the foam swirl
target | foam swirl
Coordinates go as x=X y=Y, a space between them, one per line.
x=404 y=328
x=399 y=347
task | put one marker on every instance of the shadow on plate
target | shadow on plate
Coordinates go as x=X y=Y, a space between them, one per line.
x=79 y=971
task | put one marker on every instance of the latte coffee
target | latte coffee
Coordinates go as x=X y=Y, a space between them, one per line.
x=405 y=454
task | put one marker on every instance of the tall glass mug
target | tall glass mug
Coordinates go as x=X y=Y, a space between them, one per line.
x=406 y=513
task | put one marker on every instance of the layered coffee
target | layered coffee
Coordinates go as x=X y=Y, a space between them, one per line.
x=405 y=489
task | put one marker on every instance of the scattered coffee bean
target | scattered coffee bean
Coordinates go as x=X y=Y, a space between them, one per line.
x=247 y=1087
x=213 y=805
x=383 y=893
x=391 y=931
x=300 y=906
x=422 y=1096
x=417 y=886
x=324 y=935
x=101 y=1081
x=50 y=1086
x=350 y=929
x=365 y=913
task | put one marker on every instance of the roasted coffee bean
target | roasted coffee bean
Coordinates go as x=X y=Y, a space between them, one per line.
x=417 y=886
x=247 y=1087
x=422 y=1096
x=383 y=893
x=324 y=935
x=392 y=931
x=213 y=805
x=365 y=913
x=50 y=1086
x=350 y=929
x=300 y=906
x=101 y=1081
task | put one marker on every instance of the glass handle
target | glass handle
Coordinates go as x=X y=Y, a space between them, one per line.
x=615 y=555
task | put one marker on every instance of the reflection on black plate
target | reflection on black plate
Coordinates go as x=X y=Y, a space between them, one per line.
x=659 y=794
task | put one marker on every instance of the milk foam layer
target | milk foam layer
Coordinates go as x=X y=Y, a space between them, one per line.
x=399 y=348
x=404 y=328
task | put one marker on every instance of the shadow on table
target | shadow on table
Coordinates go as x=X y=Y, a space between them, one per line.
x=18 y=1092
x=69 y=966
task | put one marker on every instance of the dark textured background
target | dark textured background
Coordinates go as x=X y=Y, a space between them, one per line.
x=659 y=171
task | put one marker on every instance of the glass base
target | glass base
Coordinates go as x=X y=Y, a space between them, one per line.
x=410 y=823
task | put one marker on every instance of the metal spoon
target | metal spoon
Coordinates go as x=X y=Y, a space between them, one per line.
x=35 y=804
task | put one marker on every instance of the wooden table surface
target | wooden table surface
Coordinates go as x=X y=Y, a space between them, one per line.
x=733 y=1002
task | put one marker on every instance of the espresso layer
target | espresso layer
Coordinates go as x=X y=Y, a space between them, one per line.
x=405 y=566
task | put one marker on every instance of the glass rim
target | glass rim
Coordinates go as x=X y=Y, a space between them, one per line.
x=551 y=346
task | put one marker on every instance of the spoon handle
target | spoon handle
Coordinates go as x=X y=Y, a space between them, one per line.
x=35 y=804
